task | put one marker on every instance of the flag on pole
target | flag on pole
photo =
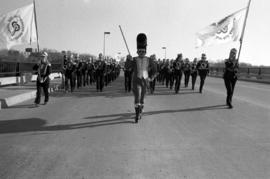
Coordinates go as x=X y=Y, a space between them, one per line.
x=228 y=29
x=18 y=27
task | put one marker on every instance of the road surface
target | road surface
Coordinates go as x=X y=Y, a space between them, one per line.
x=93 y=135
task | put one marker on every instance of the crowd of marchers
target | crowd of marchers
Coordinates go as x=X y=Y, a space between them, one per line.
x=171 y=72
x=80 y=72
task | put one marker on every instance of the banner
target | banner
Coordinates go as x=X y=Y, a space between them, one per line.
x=18 y=27
x=226 y=30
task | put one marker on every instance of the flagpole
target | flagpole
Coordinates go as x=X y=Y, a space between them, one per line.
x=35 y=15
x=243 y=31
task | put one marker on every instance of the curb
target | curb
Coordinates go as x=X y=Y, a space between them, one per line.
x=13 y=100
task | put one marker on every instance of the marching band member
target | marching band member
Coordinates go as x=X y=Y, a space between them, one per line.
x=78 y=71
x=100 y=69
x=203 y=69
x=194 y=72
x=140 y=66
x=186 y=71
x=178 y=67
x=171 y=73
x=230 y=75
x=152 y=74
x=128 y=73
x=70 y=75
x=43 y=81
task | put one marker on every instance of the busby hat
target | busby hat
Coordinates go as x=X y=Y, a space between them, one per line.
x=141 y=41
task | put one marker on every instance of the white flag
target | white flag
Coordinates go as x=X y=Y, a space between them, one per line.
x=226 y=30
x=18 y=27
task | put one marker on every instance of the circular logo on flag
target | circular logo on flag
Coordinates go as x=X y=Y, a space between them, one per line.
x=15 y=27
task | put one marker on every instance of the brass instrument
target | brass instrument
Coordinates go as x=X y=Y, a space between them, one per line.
x=193 y=68
x=177 y=65
x=203 y=66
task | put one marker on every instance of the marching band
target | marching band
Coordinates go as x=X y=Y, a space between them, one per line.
x=141 y=74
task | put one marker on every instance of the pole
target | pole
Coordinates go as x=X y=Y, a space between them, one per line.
x=124 y=39
x=104 y=43
x=35 y=15
x=104 y=47
x=243 y=31
x=165 y=48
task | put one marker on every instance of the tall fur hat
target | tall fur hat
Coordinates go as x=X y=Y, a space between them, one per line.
x=141 y=41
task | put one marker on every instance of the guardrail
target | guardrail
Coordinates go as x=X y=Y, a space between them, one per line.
x=248 y=73
x=9 y=69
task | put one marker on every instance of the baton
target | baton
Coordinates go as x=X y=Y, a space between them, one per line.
x=124 y=39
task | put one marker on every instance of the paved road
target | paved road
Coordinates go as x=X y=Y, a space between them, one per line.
x=92 y=135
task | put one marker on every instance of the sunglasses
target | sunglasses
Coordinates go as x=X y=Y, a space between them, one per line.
x=141 y=51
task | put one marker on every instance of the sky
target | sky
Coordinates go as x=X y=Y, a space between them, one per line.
x=79 y=25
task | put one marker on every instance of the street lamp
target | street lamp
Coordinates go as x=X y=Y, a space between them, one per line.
x=105 y=33
x=164 y=51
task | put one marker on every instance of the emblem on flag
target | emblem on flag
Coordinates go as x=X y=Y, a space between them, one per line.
x=18 y=27
x=225 y=30
x=15 y=27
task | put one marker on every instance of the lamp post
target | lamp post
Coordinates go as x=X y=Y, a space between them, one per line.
x=105 y=33
x=164 y=51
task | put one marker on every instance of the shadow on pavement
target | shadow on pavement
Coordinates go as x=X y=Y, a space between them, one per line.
x=37 y=124
x=204 y=108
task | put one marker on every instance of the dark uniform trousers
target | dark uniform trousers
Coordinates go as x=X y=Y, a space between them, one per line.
x=152 y=85
x=229 y=84
x=187 y=75
x=70 y=78
x=178 y=78
x=203 y=74
x=99 y=81
x=128 y=80
x=45 y=86
x=193 y=79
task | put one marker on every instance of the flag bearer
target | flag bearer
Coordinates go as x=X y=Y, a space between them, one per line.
x=43 y=81
x=230 y=75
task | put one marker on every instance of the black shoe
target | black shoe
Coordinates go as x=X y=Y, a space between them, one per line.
x=140 y=112
x=136 y=119
x=137 y=114
x=45 y=103
x=230 y=106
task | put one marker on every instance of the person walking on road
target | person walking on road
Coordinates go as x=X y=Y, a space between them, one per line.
x=100 y=69
x=128 y=73
x=203 y=69
x=140 y=65
x=230 y=75
x=43 y=70
x=194 y=72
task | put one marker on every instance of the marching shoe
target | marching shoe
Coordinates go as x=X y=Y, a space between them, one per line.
x=137 y=113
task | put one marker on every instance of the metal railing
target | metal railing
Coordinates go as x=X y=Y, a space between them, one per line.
x=8 y=69
x=259 y=73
